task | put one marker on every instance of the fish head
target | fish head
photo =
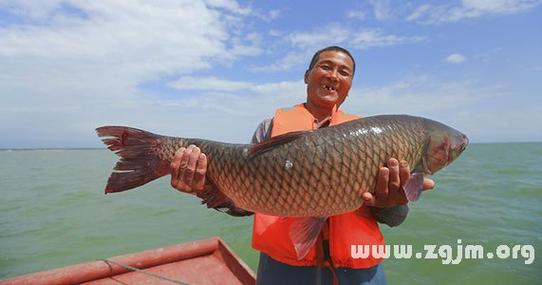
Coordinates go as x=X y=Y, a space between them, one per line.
x=444 y=145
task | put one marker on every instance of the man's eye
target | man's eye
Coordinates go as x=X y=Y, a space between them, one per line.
x=345 y=73
x=325 y=67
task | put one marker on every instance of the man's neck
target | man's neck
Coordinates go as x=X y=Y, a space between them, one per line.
x=319 y=113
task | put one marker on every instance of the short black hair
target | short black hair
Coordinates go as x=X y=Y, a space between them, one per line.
x=316 y=56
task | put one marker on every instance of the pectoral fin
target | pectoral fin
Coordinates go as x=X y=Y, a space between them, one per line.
x=414 y=187
x=304 y=233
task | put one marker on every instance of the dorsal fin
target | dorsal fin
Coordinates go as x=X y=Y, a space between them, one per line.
x=271 y=143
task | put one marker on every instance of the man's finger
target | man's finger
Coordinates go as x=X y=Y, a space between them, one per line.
x=183 y=163
x=404 y=172
x=428 y=184
x=368 y=199
x=174 y=167
x=193 y=155
x=382 y=182
x=394 y=182
x=201 y=170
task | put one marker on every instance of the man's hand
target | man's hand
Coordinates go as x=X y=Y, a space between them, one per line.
x=389 y=190
x=188 y=169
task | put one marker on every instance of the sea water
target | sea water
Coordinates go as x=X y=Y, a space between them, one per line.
x=54 y=213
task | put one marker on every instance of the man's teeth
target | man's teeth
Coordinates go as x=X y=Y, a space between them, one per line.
x=328 y=87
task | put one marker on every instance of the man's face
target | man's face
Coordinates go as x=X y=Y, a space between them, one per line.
x=329 y=81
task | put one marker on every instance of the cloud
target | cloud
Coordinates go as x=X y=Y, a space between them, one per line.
x=455 y=58
x=356 y=14
x=229 y=5
x=222 y=86
x=374 y=37
x=338 y=34
x=211 y=110
x=332 y=33
x=381 y=9
x=209 y=84
x=466 y=105
x=70 y=66
x=306 y=42
x=438 y=14
x=287 y=62
x=67 y=70
x=422 y=95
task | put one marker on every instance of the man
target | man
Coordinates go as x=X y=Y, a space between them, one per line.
x=328 y=78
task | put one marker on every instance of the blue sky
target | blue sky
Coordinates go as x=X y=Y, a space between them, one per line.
x=214 y=69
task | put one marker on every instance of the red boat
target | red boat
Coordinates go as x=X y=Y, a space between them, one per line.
x=202 y=262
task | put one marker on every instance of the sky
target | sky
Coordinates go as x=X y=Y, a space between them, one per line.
x=215 y=68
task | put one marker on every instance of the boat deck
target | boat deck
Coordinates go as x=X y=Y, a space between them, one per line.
x=203 y=262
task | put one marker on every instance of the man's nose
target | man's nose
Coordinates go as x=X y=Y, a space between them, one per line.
x=333 y=75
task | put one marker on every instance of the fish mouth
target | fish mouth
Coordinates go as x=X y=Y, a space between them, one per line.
x=460 y=144
x=449 y=150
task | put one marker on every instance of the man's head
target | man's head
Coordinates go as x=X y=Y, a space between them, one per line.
x=335 y=48
x=329 y=77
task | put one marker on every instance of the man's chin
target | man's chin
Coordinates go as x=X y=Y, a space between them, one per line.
x=329 y=100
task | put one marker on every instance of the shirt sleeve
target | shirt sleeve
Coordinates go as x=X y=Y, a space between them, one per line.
x=392 y=216
x=263 y=131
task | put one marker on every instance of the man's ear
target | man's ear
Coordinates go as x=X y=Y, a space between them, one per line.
x=307 y=76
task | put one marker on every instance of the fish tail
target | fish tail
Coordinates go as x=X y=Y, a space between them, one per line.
x=139 y=161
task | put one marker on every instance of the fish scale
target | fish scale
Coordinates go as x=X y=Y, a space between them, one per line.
x=306 y=174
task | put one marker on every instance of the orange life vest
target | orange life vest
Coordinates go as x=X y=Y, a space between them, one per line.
x=270 y=233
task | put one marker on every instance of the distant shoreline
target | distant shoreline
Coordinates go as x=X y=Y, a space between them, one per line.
x=104 y=148
x=53 y=148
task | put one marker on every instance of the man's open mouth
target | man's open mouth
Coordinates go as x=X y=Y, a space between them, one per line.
x=327 y=87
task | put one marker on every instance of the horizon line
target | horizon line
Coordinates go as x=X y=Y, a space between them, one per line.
x=104 y=147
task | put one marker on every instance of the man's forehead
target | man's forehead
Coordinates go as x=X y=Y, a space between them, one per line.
x=338 y=57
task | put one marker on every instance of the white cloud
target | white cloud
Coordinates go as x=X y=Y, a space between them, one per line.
x=422 y=95
x=358 y=38
x=213 y=111
x=273 y=14
x=222 y=86
x=374 y=37
x=381 y=9
x=443 y=13
x=326 y=36
x=34 y=10
x=465 y=105
x=70 y=66
x=356 y=14
x=287 y=62
x=305 y=43
x=267 y=16
x=64 y=77
x=209 y=84
x=229 y=5
x=455 y=58
x=500 y=6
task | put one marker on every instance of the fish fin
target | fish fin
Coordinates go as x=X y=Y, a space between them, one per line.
x=304 y=233
x=139 y=161
x=212 y=197
x=269 y=144
x=414 y=186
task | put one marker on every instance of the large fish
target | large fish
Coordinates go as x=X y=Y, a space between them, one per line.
x=310 y=174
